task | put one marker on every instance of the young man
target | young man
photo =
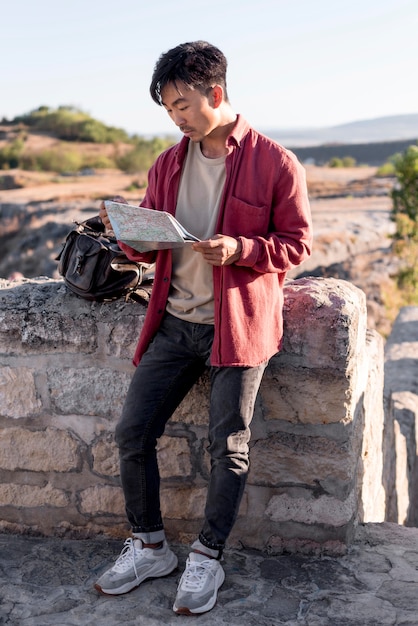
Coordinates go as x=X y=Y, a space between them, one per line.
x=216 y=305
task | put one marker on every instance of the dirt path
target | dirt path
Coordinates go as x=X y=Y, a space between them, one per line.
x=47 y=187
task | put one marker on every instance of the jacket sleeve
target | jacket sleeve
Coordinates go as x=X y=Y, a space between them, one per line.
x=147 y=202
x=288 y=241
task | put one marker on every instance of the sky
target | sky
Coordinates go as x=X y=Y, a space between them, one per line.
x=292 y=64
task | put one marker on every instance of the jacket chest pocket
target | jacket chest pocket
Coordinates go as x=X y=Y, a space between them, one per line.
x=245 y=219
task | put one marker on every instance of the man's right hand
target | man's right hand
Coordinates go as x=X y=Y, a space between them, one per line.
x=103 y=213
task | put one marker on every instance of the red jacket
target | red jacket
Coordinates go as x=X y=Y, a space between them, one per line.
x=264 y=204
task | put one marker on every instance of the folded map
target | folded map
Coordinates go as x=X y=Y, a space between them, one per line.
x=146 y=229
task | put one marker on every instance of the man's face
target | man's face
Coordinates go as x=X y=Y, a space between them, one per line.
x=191 y=111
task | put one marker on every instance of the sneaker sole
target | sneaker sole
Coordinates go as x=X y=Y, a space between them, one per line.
x=184 y=610
x=127 y=587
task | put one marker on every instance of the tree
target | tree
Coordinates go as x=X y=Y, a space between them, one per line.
x=405 y=215
x=405 y=193
x=10 y=154
x=346 y=161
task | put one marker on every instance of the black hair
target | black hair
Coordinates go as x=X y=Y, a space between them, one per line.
x=197 y=64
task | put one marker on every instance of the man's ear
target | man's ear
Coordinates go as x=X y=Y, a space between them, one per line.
x=217 y=96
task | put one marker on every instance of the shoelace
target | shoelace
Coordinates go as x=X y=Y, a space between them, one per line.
x=196 y=574
x=126 y=559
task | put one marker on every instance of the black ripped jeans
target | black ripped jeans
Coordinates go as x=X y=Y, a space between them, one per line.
x=173 y=363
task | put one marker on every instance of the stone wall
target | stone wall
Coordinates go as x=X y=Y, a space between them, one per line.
x=317 y=458
x=401 y=401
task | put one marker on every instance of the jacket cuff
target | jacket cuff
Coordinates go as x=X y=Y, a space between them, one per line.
x=249 y=252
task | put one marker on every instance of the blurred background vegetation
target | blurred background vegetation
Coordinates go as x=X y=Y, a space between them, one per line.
x=405 y=215
x=72 y=127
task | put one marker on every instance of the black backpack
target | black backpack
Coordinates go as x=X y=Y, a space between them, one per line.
x=95 y=268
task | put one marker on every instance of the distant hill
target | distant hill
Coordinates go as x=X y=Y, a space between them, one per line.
x=373 y=153
x=381 y=129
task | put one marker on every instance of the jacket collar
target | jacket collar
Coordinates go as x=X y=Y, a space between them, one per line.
x=239 y=131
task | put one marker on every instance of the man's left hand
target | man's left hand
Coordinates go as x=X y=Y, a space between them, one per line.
x=219 y=250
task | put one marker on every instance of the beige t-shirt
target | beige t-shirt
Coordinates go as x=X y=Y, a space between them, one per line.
x=200 y=191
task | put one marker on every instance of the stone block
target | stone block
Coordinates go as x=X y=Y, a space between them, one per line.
x=286 y=459
x=50 y=332
x=88 y=390
x=285 y=389
x=404 y=414
x=29 y=323
x=29 y=496
x=102 y=500
x=372 y=501
x=324 y=510
x=122 y=337
x=401 y=475
x=39 y=451
x=18 y=395
x=325 y=323
x=401 y=398
x=183 y=503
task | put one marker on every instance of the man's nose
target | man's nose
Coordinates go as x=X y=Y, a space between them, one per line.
x=178 y=118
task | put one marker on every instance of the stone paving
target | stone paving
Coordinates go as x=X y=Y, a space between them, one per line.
x=49 y=582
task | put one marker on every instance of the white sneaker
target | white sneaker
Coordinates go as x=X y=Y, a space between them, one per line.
x=134 y=565
x=198 y=587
